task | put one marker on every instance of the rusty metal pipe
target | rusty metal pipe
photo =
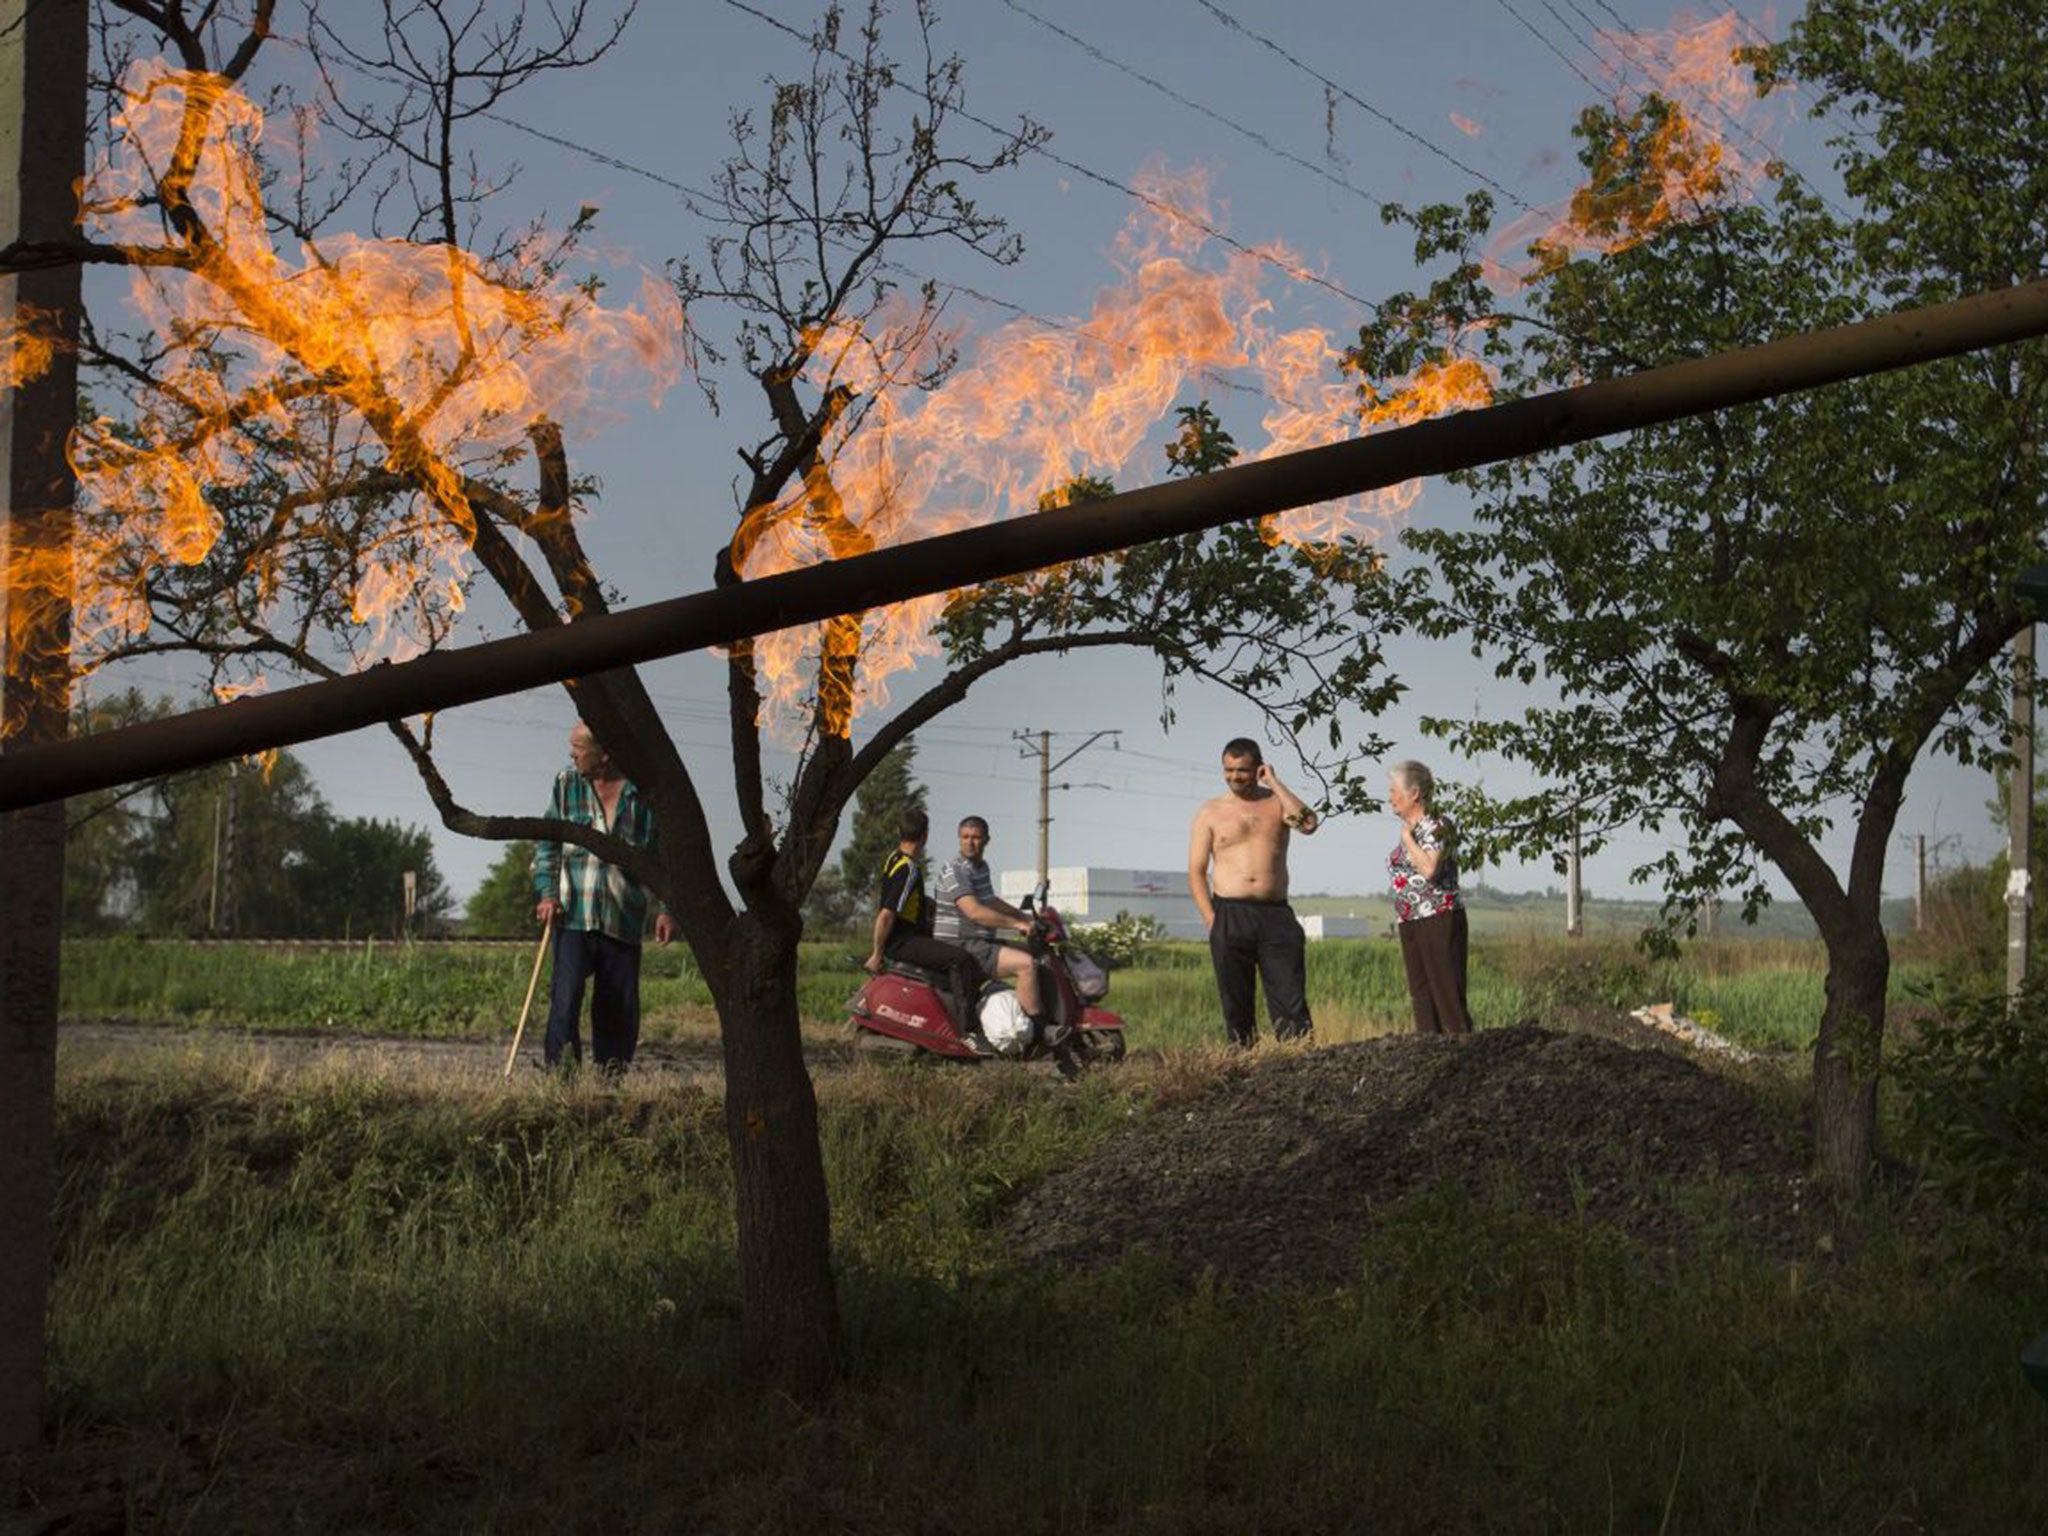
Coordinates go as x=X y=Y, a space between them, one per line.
x=720 y=616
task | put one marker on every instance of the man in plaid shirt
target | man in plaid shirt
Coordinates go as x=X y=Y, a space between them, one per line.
x=599 y=914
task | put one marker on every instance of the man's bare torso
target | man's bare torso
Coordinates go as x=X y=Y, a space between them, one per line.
x=1247 y=846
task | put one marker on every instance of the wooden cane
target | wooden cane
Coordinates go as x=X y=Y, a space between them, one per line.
x=526 y=1007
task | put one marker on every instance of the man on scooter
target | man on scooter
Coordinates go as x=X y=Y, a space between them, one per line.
x=903 y=928
x=969 y=913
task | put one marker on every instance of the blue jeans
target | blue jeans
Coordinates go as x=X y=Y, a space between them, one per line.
x=613 y=966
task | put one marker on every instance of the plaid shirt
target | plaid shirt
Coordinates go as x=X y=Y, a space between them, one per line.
x=596 y=897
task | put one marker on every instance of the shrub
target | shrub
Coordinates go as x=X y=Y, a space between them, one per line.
x=1974 y=1104
x=1119 y=941
x=1589 y=978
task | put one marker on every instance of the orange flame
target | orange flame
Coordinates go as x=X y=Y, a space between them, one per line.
x=353 y=372
x=1033 y=409
x=1664 y=161
x=28 y=345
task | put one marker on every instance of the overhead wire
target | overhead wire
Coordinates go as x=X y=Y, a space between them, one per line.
x=1211 y=113
x=1180 y=215
x=1226 y=19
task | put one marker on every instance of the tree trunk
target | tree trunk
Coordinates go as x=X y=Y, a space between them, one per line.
x=32 y=858
x=790 y=1309
x=42 y=96
x=1845 y=1059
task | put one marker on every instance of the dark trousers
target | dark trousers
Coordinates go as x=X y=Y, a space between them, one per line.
x=963 y=974
x=612 y=966
x=1260 y=939
x=1433 y=952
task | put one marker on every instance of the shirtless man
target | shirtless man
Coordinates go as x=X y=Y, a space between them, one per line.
x=1237 y=873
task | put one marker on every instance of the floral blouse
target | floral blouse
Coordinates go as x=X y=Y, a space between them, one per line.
x=1415 y=897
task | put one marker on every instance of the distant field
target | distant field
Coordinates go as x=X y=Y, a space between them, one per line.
x=1539 y=916
x=1762 y=993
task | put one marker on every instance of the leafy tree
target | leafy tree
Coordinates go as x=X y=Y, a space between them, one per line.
x=323 y=476
x=223 y=848
x=350 y=880
x=104 y=831
x=502 y=906
x=884 y=796
x=1735 y=656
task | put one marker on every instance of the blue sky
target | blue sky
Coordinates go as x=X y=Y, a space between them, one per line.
x=1428 y=103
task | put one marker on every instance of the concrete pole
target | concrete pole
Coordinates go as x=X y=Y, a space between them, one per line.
x=213 y=882
x=1919 y=882
x=1574 y=897
x=230 y=863
x=1044 y=807
x=42 y=154
x=2019 y=885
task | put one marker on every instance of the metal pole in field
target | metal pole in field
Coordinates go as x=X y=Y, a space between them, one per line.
x=1240 y=493
x=2019 y=885
x=42 y=155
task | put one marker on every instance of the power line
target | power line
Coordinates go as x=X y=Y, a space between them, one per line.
x=1159 y=205
x=1168 y=91
x=1592 y=84
x=1230 y=21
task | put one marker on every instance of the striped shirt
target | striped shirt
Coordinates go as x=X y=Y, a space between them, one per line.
x=962 y=877
x=596 y=897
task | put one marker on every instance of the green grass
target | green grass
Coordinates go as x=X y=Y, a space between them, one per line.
x=407 y=1308
x=1762 y=993
x=383 y=988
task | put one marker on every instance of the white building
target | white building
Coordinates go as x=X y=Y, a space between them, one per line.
x=1086 y=894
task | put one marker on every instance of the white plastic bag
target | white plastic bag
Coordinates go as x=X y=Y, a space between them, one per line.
x=1004 y=1024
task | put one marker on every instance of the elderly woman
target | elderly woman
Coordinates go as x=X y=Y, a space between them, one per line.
x=1428 y=911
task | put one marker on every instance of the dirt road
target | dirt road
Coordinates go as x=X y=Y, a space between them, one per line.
x=88 y=1043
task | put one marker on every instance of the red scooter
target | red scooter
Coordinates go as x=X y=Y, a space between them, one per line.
x=902 y=1010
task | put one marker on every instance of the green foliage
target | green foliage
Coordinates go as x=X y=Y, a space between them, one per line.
x=1120 y=941
x=502 y=906
x=1974 y=1092
x=1582 y=977
x=833 y=907
x=105 y=830
x=1735 y=656
x=884 y=796
x=351 y=881
x=224 y=849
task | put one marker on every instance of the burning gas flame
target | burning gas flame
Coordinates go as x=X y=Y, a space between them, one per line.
x=1674 y=151
x=28 y=345
x=1033 y=409
x=338 y=397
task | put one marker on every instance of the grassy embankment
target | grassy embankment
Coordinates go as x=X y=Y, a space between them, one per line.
x=429 y=1306
x=345 y=1303
x=1760 y=992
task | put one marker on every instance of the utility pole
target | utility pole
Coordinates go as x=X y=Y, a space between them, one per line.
x=42 y=156
x=229 y=863
x=1039 y=745
x=1574 y=896
x=1919 y=882
x=2019 y=885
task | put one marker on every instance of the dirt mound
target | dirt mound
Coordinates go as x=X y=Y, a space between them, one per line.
x=1279 y=1172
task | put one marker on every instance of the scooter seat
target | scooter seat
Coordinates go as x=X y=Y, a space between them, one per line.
x=914 y=972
